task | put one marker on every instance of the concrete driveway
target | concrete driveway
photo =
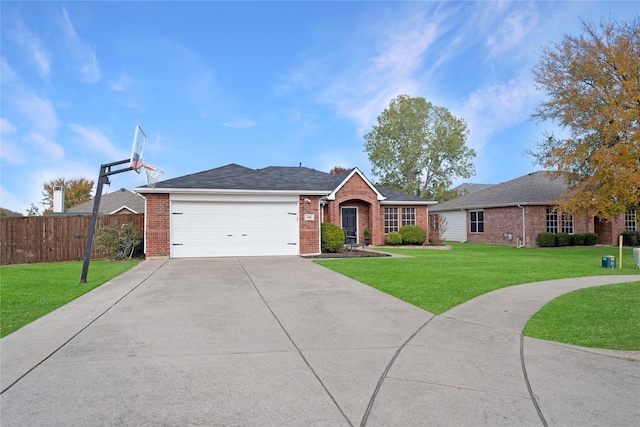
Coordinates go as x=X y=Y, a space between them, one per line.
x=282 y=341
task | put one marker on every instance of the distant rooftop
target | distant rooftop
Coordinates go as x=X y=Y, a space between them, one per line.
x=468 y=187
x=112 y=203
x=537 y=188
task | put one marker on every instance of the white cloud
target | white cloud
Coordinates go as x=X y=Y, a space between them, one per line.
x=91 y=139
x=40 y=113
x=47 y=149
x=305 y=76
x=83 y=53
x=6 y=73
x=511 y=32
x=6 y=126
x=391 y=70
x=240 y=124
x=32 y=45
x=123 y=83
x=11 y=153
x=497 y=107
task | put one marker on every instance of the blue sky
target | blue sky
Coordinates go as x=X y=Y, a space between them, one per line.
x=262 y=83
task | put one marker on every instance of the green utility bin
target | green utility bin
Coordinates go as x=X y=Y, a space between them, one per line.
x=609 y=261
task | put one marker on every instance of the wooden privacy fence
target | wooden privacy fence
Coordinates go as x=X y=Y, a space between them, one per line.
x=53 y=238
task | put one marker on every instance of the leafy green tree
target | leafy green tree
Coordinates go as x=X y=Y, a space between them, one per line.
x=76 y=191
x=419 y=148
x=33 y=210
x=592 y=83
x=4 y=212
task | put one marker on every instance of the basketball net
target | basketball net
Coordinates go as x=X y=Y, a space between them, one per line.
x=153 y=175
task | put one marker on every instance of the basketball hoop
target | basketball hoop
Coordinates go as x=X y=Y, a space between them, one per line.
x=153 y=175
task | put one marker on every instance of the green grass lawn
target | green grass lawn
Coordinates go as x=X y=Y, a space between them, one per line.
x=601 y=317
x=439 y=280
x=29 y=291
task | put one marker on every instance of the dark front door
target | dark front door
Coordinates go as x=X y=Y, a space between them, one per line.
x=349 y=224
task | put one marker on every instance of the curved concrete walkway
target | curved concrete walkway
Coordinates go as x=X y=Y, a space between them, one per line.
x=472 y=366
x=282 y=341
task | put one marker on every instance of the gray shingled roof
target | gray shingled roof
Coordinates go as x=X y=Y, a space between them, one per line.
x=272 y=178
x=112 y=202
x=469 y=187
x=537 y=188
x=236 y=177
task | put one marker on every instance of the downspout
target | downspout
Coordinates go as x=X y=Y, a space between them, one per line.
x=144 y=244
x=321 y=203
x=524 y=239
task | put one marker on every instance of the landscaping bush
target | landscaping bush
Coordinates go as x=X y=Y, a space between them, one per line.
x=590 y=239
x=546 y=240
x=413 y=235
x=393 y=238
x=563 y=239
x=577 y=239
x=630 y=238
x=118 y=242
x=332 y=237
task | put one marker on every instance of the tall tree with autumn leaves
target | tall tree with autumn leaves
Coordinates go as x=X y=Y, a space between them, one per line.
x=592 y=83
x=76 y=191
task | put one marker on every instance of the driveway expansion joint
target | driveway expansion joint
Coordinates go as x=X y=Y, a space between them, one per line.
x=83 y=328
x=528 y=384
x=365 y=417
x=315 y=374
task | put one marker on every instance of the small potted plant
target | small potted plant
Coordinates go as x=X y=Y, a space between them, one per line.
x=367 y=236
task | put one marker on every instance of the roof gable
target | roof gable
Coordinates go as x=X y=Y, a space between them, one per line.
x=355 y=171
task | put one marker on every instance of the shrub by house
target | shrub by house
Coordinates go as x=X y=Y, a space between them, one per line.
x=412 y=235
x=332 y=237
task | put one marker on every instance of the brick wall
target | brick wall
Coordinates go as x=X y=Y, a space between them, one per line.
x=309 y=229
x=357 y=193
x=422 y=219
x=157 y=237
x=609 y=231
x=499 y=223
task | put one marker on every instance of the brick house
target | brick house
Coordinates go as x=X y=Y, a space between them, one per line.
x=516 y=211
x=237 y=211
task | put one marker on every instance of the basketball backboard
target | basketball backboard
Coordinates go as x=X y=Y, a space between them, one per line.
x=137 y=152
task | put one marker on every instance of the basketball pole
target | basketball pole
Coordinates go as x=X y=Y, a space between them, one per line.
x=105 y=172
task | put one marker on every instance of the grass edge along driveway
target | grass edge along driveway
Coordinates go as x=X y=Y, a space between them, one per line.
x=437 y=280
x=599 y=316
x=29 y=291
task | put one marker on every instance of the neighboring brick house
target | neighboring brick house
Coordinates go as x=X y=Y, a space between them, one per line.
x=121 y=201
x=237 y=211
x=516 y=211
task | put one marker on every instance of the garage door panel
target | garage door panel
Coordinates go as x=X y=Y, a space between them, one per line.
x=211 y=229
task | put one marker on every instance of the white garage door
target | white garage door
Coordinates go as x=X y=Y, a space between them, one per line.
x=219 y=229
x=456 y=226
